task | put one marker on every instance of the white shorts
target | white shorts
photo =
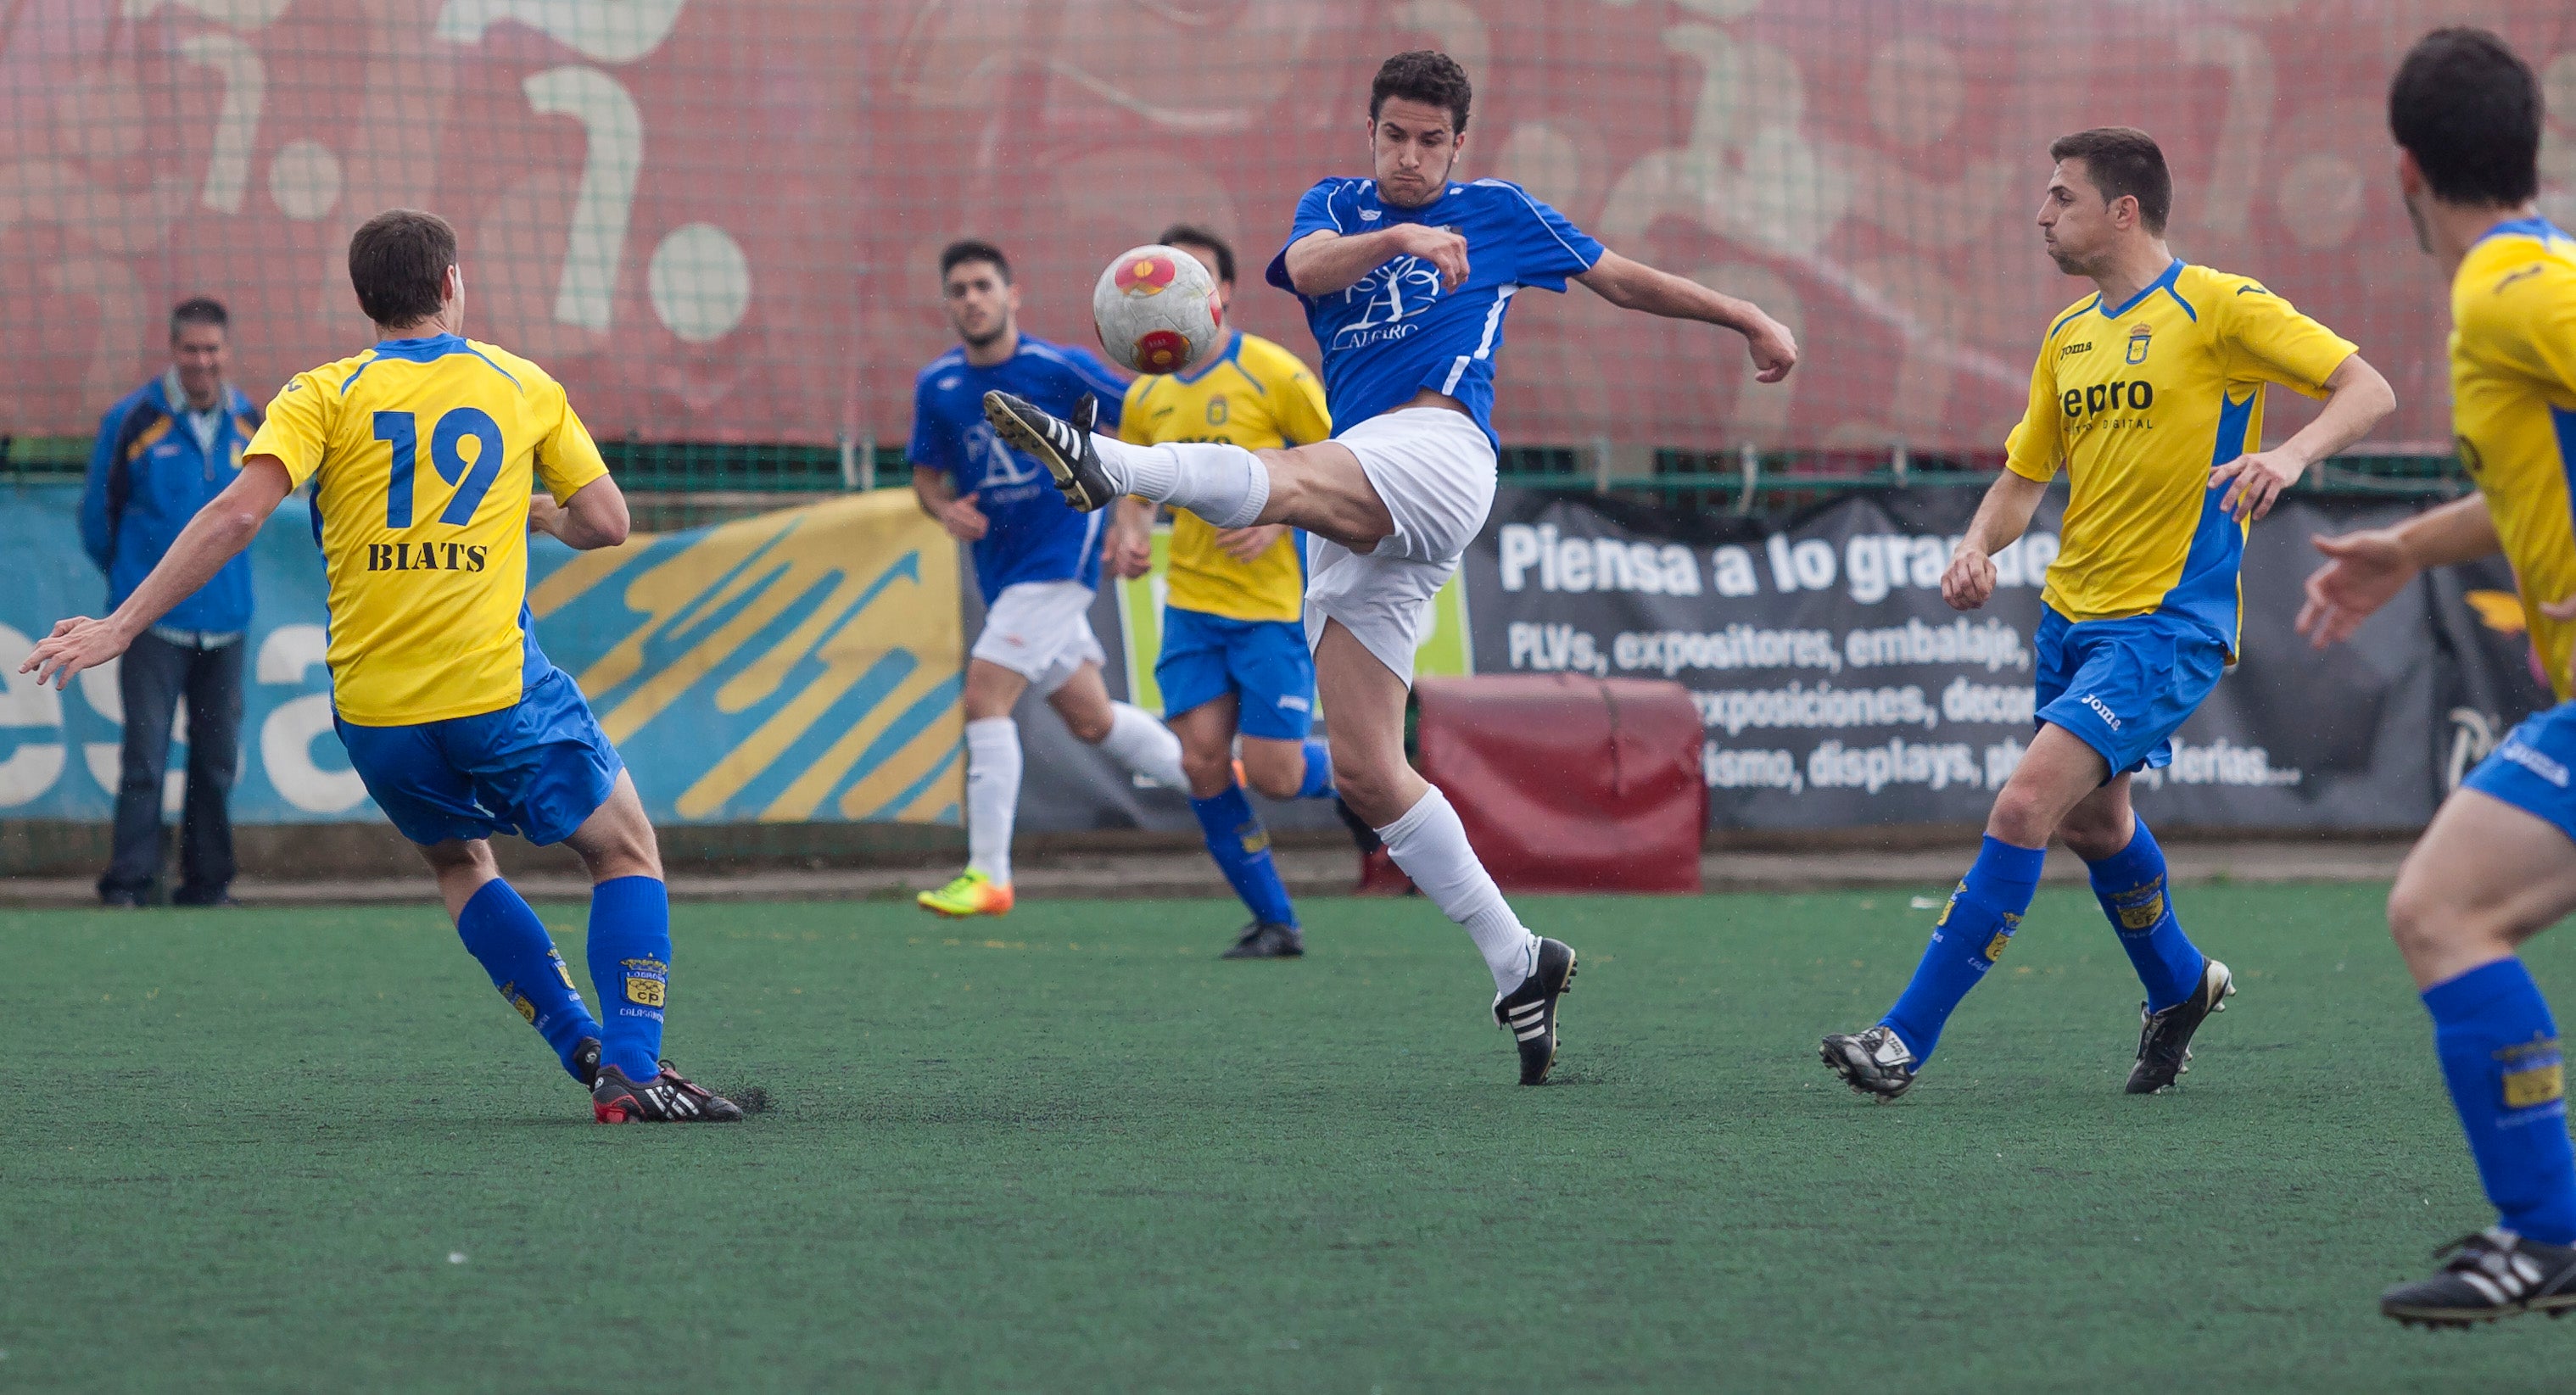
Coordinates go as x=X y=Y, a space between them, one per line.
x=1040 y=630
x=1434 y=469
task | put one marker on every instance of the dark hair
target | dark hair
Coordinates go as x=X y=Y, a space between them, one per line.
x=199 y=310
x=2466 y=107
x=2123 y=162
x=1196 y=236
x=1424 y=75
x=973 y=249
x=398 y=263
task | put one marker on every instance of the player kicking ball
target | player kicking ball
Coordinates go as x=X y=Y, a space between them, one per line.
x=1036 y=561
x=1234 y=651
x=2149 y=392
x=1405 y=278
x=2495 y=867
x=424 y=450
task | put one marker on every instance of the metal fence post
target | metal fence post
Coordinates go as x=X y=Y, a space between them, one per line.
x=1749 y=461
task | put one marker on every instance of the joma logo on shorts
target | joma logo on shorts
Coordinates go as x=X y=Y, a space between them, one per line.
x=2102 y=710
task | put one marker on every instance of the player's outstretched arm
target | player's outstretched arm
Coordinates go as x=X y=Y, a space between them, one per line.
x=2002 y=517
x=2368 y=566
x=2356 y=398
x=1633 y=285
x=595 y=516
x=939 y=499
x=215 y=536
x=1323 y=261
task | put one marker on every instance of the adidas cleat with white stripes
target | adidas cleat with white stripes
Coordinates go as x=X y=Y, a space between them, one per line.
x=667 y=1098
x=1529 y=1011
x=2493 y=1274
x=1064 y=447
x=2164 y=1038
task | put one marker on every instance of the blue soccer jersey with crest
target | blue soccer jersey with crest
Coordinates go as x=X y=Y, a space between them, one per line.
x=1396 y=332
x=1034 y=535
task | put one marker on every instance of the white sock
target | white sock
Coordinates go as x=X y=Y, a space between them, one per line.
x=1431 y=846
x=1226 y=485
x=1146 y=746
x=992 y=795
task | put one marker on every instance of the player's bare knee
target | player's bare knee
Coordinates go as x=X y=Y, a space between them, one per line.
x=459 y=855
x=1209 y=769
x=2095 y=836
x=2021 y=817
x=1271 y=782
x=1089 y=728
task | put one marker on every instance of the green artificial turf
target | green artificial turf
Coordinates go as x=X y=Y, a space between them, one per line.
x=1072 y=1150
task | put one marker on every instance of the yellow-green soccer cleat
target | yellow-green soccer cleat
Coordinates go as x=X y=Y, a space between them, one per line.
x=973 y=893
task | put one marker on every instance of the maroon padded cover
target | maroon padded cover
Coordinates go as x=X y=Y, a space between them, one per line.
x=1567 y=783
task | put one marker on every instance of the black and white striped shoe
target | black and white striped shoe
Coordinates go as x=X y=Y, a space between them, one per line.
x=2164 y=1038
x=1064 y=447
x=2493 y=1274
x=665 y=1099
x=1529 y=1011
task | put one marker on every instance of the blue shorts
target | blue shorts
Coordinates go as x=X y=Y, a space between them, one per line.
x=537 y=769
x=1265 y=662
x=2123 y=687
x=2530 y=771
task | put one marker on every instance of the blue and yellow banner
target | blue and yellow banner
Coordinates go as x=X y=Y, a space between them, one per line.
x=800 y=665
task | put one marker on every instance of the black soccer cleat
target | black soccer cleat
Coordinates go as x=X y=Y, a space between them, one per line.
x=1064 y=447
x=1874 y=1063
x=1268 y=939
x=1529 y=1011
x=2164 y=1038
x=585 y=1062
x=2493 y=1274
x=665 y=1099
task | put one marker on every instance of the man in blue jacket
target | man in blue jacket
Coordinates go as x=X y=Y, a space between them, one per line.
x=163 y=451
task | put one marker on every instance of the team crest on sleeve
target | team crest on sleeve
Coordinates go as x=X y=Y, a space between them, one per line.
x=2140 y=334
x=1145 y=275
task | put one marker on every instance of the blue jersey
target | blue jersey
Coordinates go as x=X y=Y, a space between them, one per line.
x=1395 y=332
x=1034 y=534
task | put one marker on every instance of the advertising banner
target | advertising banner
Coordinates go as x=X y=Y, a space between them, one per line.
x=1839 y=689
x=800 y=665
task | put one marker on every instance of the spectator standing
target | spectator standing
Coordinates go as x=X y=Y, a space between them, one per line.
x=162 y=452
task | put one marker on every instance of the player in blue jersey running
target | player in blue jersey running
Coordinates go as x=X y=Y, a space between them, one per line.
x=1037 y=563
x=1405 y=278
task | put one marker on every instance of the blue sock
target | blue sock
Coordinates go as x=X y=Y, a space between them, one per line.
x=2499 y=1052
x=2130 y=884
x=630 y=967
x=512 y=945
x=1241 y=847
x=1318 y=783
x=1966 y=941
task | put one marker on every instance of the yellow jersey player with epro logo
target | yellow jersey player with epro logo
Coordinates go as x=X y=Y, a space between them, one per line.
x=2149 y=395
x=423 y=451
x=2498 y=863
x=1234 y=655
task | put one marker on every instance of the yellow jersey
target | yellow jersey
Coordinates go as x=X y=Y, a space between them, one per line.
x=426 y=452
x=2138 y=404
x=1255 y=395
x=2513 y=409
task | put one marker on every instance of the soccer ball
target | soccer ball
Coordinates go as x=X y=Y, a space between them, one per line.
x=1155 y=308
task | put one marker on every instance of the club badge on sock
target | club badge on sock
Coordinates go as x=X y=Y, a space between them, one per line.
x=646 y=983
x=2534 y=1079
